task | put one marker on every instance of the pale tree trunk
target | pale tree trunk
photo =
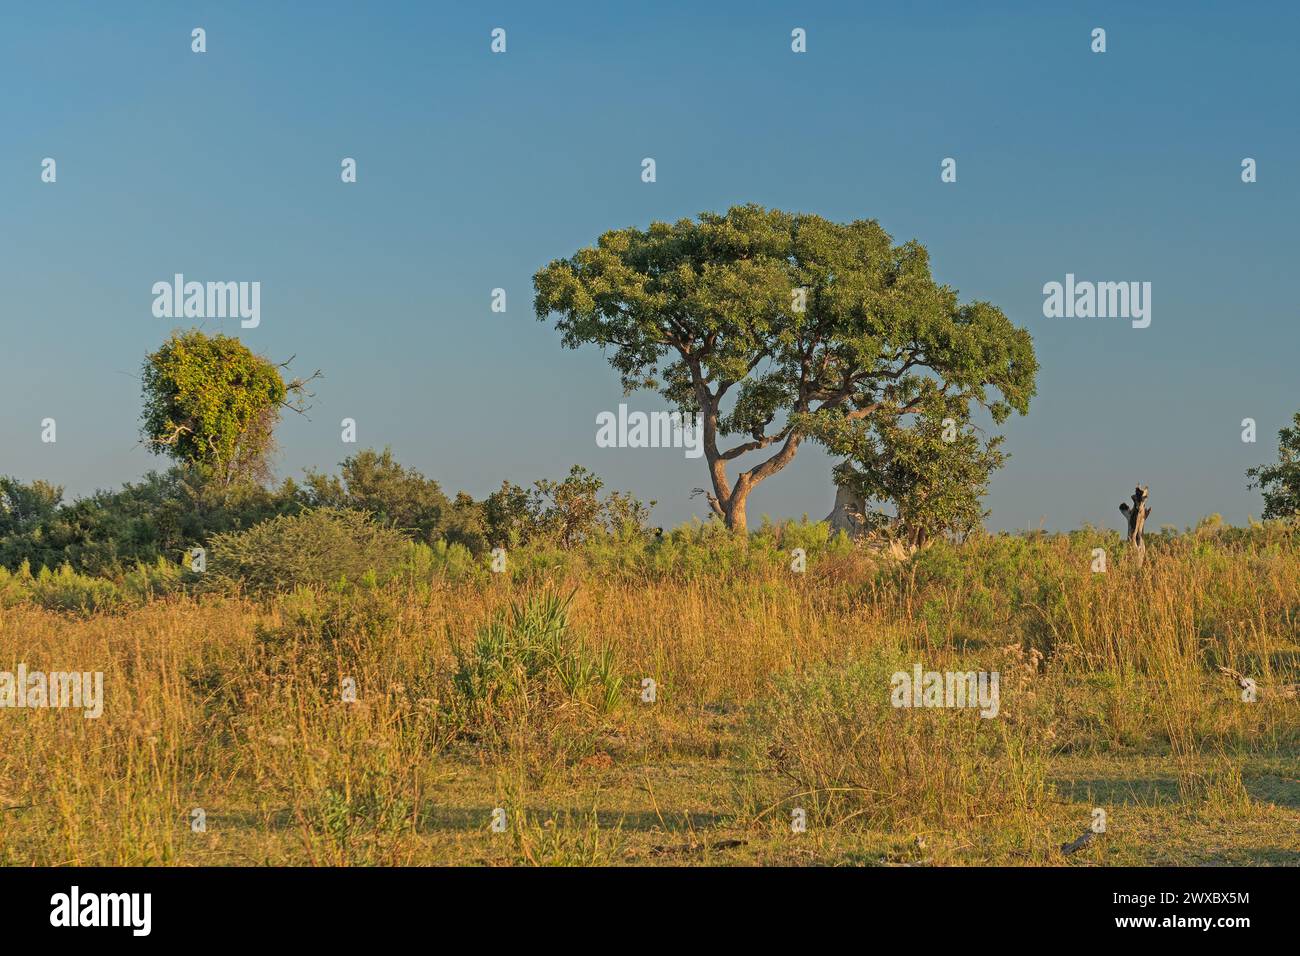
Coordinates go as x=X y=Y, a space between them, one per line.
x=1137 y=518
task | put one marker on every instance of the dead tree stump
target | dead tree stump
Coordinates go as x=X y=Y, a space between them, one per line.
x=1137 y=515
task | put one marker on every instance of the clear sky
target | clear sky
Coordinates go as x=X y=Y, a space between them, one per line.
x=475 y=169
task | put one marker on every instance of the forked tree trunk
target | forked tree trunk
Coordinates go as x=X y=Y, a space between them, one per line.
x=727 y=500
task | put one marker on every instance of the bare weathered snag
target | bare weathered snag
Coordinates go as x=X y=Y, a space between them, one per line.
x=847 y=514
x=1137 y=516
x=850 y=516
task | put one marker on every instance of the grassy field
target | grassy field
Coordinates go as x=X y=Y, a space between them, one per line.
x=526 y=691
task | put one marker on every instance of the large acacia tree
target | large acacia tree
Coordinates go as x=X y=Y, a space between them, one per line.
x=777 y=327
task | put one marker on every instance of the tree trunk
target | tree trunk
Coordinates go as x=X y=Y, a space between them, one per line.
x=735 y=512
x=727 y=500
x=1137 y=518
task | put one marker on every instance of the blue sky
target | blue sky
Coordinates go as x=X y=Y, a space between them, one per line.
x=476 y=169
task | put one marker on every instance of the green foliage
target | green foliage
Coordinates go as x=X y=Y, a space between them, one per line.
x=707 y=309
x=109 y=532
x=570 y=510
x=66 y=590
x=25 y=508
x=933 y=472
x=321 y=546
x=376 y=483
x=27 y=513
x=347 y=812
x=15 y=586
x=567 y=513
x=209 y=402
x=528 y=667
x=401 y=498
x=330 y=617
x=693 y=551
x=1280 y=483
x=164 y=515
x=442 y=560
x=509 y=515
x=466 y=525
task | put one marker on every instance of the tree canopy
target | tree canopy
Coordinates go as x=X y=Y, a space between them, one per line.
x=934 y=472
x=776 y=327
x=376 y=482
x=568 y=512
x=212 y=404
x=1280 y=483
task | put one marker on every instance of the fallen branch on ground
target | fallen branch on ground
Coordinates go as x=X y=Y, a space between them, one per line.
x=1283 y=691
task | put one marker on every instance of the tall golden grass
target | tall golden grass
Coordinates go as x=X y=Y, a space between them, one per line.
x=234 y=706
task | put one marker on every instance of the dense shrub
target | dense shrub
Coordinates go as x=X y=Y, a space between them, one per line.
x=395 y=495
x=563 y=514
x=110 y=532
x=65 y=590
x=321 y=546
x=425 y=563
x=165 y=514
